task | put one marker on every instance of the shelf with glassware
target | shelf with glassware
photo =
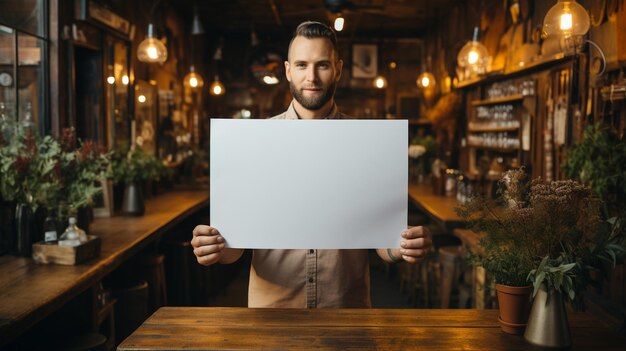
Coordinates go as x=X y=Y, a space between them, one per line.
x=495 y=127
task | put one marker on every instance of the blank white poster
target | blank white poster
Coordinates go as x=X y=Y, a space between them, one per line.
x=309 y=184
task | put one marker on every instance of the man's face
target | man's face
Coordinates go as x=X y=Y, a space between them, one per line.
x=313 y=71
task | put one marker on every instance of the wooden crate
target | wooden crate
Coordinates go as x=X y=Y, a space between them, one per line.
x=66 y=255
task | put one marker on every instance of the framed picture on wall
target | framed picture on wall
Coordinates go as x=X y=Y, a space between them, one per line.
x=364 y=60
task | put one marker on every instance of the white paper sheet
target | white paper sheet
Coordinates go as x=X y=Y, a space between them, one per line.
x=309 y=184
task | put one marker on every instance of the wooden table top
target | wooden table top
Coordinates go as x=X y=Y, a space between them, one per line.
x=30 y=292
x=439 y=208
x=215 y=328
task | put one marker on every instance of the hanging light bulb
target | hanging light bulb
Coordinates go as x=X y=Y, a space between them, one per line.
x=566 y=18
x=151 y=49
x=426 y=80
x=380 y=82
x=125 y=79
x=111 y=80
x=270 y=80
x=217 y=88
x=339 y=21
x=473 y=55
x=193 y=80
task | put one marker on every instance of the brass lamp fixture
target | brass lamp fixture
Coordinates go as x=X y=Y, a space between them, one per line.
x=217 y=88
x=473 y=57
x=426 y=80
x=569 y=21
x=193 y=80
x=151 y=49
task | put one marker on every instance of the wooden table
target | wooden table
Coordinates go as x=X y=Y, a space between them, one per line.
x=438 y=208
x=188 y=328
x=29 y=292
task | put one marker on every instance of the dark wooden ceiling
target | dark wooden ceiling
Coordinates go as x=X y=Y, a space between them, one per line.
x=371 y=18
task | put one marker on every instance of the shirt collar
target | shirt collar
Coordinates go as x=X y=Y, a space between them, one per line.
x=292 y=114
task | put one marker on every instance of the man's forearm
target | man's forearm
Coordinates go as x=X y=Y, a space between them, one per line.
x=230 y=255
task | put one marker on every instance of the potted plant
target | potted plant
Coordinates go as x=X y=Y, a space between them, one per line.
x=131 y=168
x=508 y=248
x=421 y=154
x=82 y=166
x=28 y=185
x=46 y=177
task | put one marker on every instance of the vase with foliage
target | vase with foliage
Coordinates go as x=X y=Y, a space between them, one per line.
x=554 y=227
x=507 y=248
x=46 y=177
x=131 y=168
x=421 y=155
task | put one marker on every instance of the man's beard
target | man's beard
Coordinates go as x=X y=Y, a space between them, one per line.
x=313 y=103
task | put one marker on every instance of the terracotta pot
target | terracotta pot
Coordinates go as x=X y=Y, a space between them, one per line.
x=514 y=305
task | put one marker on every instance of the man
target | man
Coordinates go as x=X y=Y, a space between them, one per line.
x=310 y=278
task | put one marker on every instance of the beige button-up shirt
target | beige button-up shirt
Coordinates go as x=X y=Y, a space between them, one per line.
x=309 y=278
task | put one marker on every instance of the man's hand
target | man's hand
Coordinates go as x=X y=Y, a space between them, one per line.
x=208 y=245
x=417 y=242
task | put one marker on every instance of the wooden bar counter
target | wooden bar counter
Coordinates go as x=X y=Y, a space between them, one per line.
x=207 y=328
x=439 y=208
x=29 y=292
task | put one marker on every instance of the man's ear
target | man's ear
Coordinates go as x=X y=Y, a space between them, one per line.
x=288 y=71
x=339 y=66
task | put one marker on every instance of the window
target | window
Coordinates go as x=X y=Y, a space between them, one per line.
x=23 y=60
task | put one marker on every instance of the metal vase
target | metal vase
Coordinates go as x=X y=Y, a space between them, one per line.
x=133 y=200
x=23 y=229
x=547 y=324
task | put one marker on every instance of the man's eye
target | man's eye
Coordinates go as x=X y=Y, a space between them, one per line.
x=324 y=66
x=300 y=65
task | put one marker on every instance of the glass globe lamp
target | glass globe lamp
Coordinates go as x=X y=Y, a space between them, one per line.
x=151 y=49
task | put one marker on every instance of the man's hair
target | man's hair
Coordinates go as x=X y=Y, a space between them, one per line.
x=313 y=30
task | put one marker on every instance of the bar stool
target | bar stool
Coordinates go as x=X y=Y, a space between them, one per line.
x=153 y=271
x=131 y=308
x=178 y=269
x=450 y=260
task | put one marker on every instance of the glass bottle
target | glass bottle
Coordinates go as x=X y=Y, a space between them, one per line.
x=6 y=124
x=27 y=120
x=50 y=230
x=73 y=236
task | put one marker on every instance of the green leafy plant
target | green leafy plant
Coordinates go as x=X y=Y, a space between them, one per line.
x=599 y=160
x=82 y=165
x=50 y=173
x=135 y=165
x=29 y=168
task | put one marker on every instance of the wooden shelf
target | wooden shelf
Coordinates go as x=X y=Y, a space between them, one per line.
x=492 y=129
x=502 y=100
x=532 y=67
x=495 y=148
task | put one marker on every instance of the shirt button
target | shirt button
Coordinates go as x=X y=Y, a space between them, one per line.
x=311 y=251
x=310 y=280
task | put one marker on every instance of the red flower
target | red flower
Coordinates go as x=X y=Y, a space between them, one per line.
x=21 y=165
x=30 y=142
x=68 y=139
x=86 y=150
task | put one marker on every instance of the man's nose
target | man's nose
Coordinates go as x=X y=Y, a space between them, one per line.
x=311 y=74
